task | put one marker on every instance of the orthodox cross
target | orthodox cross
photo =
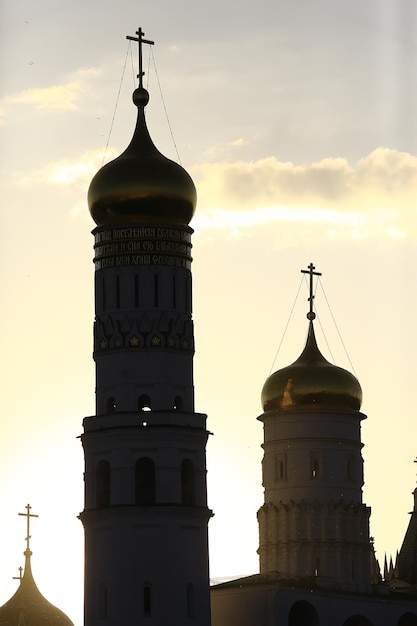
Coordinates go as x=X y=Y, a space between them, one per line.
x=28 y=515
x=20 y=570
x=140 y=41
x=311 y=315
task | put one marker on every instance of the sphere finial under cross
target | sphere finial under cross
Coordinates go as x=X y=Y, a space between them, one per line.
x=311 y=315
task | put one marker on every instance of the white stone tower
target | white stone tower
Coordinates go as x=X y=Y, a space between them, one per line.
x=313 y=523
x=146 y=514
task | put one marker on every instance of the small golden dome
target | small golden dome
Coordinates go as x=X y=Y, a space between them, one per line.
x=28 y=606
x=141 y=185
x=311 y=382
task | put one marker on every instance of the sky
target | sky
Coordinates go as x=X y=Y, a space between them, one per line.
x=297 y=122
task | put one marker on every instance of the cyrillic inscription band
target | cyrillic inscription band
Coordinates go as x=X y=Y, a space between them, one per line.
x=119 y=247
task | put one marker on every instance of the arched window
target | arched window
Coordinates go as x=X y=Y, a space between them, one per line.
x=303 y=614
x=315 y=468
x=145 y=482
x=147 y=599
x=178 y=403
x=187 y=483
x=102 y=601
x=111 y=405
x=102 y=484
x=279 y=468
x=408 y=619
x=350 y=468
x=190 y=600
x=144 y=403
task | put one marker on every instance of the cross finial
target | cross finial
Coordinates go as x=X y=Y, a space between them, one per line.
x=140 y=41
x=311 y=315
x=28 y=515
x=20 y=574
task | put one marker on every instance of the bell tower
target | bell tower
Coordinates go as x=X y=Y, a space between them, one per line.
x=145 y=514
x=313 y=523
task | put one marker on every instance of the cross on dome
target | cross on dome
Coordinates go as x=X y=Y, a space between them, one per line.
x=140 y=41
x=28 y=515
x=20 y=570
x=311 y=315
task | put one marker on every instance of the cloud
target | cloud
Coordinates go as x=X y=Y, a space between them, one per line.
x=378 y=193
x=376 y=196
x=63 y=97
x=69 y=171
x=74 y=173
x=226 y=149
x=79 y=211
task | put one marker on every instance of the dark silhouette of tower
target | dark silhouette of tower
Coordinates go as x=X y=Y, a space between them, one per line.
x=145 y=514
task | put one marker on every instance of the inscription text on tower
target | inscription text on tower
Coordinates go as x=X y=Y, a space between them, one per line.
x=142 y=245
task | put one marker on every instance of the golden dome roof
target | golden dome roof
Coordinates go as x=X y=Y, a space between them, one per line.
x=29 y=607
x=141 y=185
x=311 y=382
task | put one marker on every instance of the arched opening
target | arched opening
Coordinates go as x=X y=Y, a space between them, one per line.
x=156 y=290
x=147 y=599
x=136 y=291
x=188 y=292
x=144 y=403
x=145 y=482
x=103 y=294
x=117 y=292
x=102 y=601
x=178 y=405
x=279 y=469
x=174 y=292
x=303 y=614
x=190 y=600
x=315 y=468
x=102 y=484
x=187 y=483
x=111 y=405
x=350 y=468
x=408 y=619
x=357 y=620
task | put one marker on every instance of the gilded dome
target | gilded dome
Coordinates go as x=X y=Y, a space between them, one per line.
x=29 y=607
x=141 y=185
x=311 y=382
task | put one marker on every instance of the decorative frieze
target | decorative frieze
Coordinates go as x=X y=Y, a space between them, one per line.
x=138 y=332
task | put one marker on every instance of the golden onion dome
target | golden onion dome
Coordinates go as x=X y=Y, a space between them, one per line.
x=28 y=606
x=141 y=185
x=311 y=382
